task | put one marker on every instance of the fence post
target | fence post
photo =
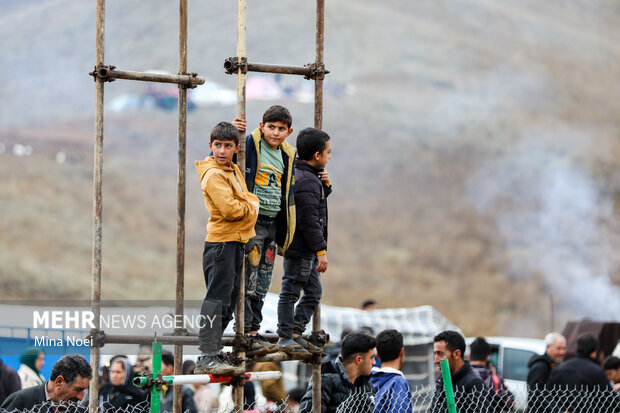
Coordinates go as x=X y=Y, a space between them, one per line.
x=155 y=393
x=447 y=385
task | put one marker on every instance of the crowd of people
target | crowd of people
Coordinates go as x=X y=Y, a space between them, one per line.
x=366 y=373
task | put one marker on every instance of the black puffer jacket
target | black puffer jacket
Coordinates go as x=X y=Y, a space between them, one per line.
x=311 y=204
x=540 y=368
x=336 y=388
x=579 y=371
x=465 y=382
x=583 y=373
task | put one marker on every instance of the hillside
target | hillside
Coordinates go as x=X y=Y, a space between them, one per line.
x=475 y=168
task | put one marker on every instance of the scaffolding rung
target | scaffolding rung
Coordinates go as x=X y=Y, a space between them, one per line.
x=279 y=356
x=191 y=340
x=110 y=74
x=309 y=71
x=143 y=381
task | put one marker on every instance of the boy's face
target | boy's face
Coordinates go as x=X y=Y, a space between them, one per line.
x=223 y=151
x=275 y=132
x=324 y=156
x=613 y=375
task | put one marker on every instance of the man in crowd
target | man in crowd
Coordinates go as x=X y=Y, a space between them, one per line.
x=187 y=395
x=469 y=389
x=583 y=370
x=348 y=374
x=9 y=381
x=70 y=377
x=393 y=390
x=479 y=354
x=540 y=367
x=584 y=375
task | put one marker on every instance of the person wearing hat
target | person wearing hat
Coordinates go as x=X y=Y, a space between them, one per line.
x=30 y=370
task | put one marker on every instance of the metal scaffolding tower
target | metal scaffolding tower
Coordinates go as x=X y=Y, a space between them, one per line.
x=238 y=65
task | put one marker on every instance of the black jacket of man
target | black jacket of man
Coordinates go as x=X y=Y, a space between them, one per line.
x=579 y=371
x=9 y=381
x=540 y=367
x=25 y=399
x=470 y=393
x=581 y=383
x=336 y=389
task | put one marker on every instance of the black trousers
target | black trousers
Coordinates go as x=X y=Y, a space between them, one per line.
x=222 y=263
x=299 y=275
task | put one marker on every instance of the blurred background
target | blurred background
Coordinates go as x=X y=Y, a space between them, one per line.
x=475 y=150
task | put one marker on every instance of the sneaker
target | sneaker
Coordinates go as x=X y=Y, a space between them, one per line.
x=307 y=345
x=289 y=346
x=216 y=364
x=259 y=346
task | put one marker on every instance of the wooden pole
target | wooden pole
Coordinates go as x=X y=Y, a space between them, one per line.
x=318 y=124
x=241 y=79
x=93 y=393
x=181 y=183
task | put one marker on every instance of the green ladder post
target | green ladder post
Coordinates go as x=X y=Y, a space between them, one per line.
x=447 y=385
x=156 y=394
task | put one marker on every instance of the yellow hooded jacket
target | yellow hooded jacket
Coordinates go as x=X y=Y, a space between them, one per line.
x=232 y=215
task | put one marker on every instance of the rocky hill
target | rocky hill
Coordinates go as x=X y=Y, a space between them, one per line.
x=475 y=162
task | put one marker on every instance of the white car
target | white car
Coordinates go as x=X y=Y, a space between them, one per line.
x=510 y=356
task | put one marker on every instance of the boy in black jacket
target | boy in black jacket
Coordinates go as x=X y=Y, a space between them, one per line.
x=306 y=257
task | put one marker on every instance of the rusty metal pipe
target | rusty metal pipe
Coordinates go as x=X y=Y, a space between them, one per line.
x=181 y=187
x=109 y=73
x=318 y=124
x=318 y=81
x=191 y=340
x=97 y=205
x=241 y=81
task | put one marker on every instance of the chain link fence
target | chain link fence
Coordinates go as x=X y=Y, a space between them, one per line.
x=421 y=400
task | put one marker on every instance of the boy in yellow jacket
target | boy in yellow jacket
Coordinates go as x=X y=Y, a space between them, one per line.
x=233 y=211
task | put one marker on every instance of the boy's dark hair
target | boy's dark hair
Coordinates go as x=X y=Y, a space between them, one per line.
x=479 y=349
x=389 y=344
x=167 y=357
x=278 y=113
x=356 y=343
x=225 y=131
x=296 y=394
x=309 y=142
x=454 y=341
x=188 y=367
x=586 y=344
x=71 y=366
x=611 y=363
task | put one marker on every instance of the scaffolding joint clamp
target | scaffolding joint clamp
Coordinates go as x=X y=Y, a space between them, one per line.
x=319 y=338
x=193 y=81
x=233 y=64
x=241 y=342
x=316 y=71
x=103 y=73
x=97 y=338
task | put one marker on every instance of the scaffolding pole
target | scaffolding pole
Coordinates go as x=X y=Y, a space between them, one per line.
x=97 y=206
x=110 y=74
x=240 y=310
x=318 y=124
x=181 y=184
x=309 y=71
